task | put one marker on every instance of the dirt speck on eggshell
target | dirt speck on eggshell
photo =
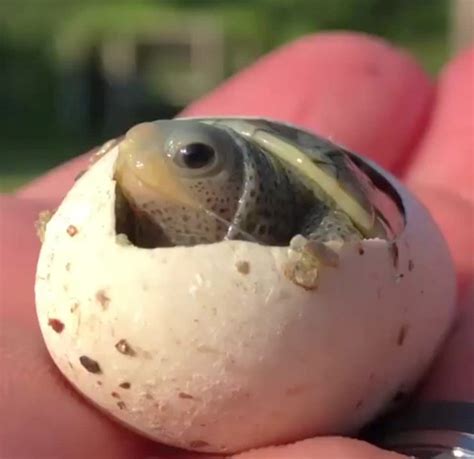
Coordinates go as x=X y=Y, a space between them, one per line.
x=72 y=230
x=121 y=405
x=207 y=349
x=394 y=254
x=56 y=325
x=243 y=266
x=102 y=298
x=90 y=365
x=402 y=334
x=124 y=348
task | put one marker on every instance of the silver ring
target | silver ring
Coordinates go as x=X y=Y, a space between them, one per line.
x=430 y=430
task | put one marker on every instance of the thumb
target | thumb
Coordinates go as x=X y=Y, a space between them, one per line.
x=333 y=447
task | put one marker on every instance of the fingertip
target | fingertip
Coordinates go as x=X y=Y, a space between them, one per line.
x=353 y=88
x=55 y=183
x=327 y=447
x=445 y=158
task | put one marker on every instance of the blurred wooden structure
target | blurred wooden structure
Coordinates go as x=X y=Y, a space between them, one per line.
x=118 y=79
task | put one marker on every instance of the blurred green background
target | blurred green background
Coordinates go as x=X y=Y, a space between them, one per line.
x=77 y=72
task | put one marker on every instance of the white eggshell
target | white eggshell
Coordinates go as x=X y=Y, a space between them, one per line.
x=186 y=348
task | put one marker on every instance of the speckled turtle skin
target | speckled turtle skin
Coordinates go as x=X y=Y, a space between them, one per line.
x=245 y=192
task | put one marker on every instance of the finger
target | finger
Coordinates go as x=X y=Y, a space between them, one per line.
x=334 y=448
x=355 y=89
x=443 y=171
x=54 y=184
x=445 y=158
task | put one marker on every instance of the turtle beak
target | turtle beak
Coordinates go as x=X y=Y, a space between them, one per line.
x=142 y=160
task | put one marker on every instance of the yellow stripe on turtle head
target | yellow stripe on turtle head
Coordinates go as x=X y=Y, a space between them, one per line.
x=329 y=184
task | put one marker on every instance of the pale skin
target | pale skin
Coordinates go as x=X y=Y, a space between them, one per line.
x=354 y=89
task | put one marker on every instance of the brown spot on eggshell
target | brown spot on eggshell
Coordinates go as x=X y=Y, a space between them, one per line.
x=102 y=299
x=68 y=266
x=243 y=267
x=198 y=444
x=99 y=383
x=361 y=250
x=56 y=325
x=185 y=396
x=125 y=385
x=72 y=230
x=207 y=349
x=89 y=364
x=394 y=254
x=115 y=395
x=359 y=404
x=121 y=405
x=411 y=265
x=124 y=348
x=402 y=334
x=74 y=307
x=399 y=277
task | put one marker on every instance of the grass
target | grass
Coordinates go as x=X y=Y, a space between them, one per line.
x=10 y=182
x=22 y=163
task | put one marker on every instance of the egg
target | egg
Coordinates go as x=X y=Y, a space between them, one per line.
x=234 y=345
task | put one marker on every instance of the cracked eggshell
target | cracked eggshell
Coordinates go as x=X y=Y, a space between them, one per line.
x=212 y=348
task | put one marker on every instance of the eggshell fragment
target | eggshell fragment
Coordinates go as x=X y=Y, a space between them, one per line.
x=215 y=347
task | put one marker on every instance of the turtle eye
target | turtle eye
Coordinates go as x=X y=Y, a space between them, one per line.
x=195 y=155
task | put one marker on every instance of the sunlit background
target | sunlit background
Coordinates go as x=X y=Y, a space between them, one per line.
x=74 y=73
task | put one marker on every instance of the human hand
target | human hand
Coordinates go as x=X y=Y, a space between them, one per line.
x=354 y=89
